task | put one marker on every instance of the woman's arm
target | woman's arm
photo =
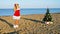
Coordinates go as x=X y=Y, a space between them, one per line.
x=14 y=9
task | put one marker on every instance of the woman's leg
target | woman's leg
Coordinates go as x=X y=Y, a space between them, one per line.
x=16 y=23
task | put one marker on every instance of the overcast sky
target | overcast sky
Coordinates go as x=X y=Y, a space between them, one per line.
x=30 y=3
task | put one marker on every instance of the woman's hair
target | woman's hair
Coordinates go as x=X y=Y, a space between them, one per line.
x=16 y=6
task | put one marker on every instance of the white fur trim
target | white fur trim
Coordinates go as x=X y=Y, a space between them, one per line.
x=16 y=17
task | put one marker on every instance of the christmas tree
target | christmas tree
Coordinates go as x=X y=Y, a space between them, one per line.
x=47 y=16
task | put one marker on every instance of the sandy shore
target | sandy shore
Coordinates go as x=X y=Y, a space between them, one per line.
x=30 y=24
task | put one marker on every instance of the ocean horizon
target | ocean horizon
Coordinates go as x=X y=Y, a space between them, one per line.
x=28 y=11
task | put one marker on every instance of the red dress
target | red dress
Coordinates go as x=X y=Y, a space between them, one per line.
x=17 y=13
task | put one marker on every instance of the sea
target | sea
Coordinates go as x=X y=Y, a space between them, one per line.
x=28 y=11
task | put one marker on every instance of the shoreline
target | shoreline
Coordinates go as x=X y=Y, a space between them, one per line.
x=31 y=14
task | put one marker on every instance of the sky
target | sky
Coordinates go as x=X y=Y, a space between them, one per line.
x=30 y=3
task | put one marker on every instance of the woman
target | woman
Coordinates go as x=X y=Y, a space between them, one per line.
x=16 y=15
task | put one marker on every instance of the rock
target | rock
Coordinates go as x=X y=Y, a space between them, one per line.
x=48 y=22
x=51 y=22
